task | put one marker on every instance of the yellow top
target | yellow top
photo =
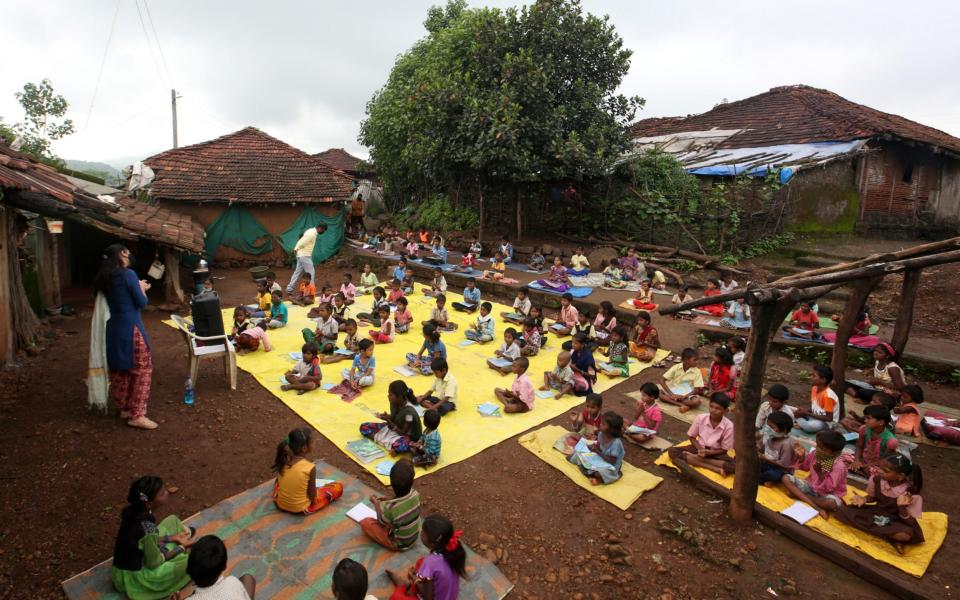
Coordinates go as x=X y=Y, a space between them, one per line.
x=292 y=487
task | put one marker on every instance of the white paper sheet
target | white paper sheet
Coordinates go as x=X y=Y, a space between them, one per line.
x=801 y=512
x=361 y=512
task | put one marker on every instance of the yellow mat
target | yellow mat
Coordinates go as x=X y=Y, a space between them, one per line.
x=621 y=494
x=914 y=561
x=464 y=432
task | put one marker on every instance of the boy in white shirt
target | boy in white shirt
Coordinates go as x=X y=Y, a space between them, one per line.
x=207 y=562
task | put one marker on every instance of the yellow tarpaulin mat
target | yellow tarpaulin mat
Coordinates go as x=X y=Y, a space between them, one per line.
x=914 y=561
x=464 y=432
x=621 y=493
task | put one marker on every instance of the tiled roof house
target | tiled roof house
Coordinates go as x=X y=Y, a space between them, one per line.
x=340 y=159
x=844 y=161
x=248 y=170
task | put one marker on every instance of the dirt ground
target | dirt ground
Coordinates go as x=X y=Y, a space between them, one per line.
x=66 y=471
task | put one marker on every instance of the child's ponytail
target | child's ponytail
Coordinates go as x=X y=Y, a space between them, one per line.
x=289 y=447
x=141 y=491
x=446 y=541
x=901 y=464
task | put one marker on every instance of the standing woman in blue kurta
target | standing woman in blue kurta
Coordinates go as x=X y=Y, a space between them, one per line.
x=128 y=350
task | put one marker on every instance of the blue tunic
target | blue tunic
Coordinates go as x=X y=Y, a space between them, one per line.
x=125 y=299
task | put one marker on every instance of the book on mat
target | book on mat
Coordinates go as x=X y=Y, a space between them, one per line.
x=343 y=352
x=640 y=430
x=488 y=409
x=545 y=393
x=557 y=326
x=466 y=343
x=682 y=389
x=295 y=355
x=801 y=512
x=365 y=450
x=384 y=467
x=851 y=436
x=590 y=459
x=500 y=362
x=323 y=482
x=405 y=371
x=361 y=512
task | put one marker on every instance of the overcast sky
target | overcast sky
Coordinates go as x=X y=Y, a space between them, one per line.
x=303 y=71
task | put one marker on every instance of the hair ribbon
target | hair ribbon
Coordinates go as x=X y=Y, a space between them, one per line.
x=454 y=541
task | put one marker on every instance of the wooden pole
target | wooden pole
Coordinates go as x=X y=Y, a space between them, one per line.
x=766 y=318
x=908 y=297
x=172 y=291
x=844 y=329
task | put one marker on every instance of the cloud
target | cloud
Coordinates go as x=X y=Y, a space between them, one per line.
x=303 y=71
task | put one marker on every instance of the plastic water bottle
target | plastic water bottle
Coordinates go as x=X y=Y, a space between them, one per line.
x=188 y=396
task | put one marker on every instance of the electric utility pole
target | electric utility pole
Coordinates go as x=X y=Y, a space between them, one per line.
x=173 y=107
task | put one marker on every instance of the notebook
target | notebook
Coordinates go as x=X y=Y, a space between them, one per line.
x=557 y=326
x=361 y=512
x=343 y=352
x=365 y=450
x=801 y=512
x=682 y=389
x=405 y=371
x=328 y=386
x=466 y=343
x=545 y=393
x=640 y=430
x=323 y=482
x=297 y=356
x=500 y=362
x=489 y=410
x=383 y=468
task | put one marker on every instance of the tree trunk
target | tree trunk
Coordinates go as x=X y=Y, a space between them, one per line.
x=518 y=204
x=844 y=329
x=766 y=319
x=27 y=326
x=173 y=293
x=908 y=297
x=480 y=227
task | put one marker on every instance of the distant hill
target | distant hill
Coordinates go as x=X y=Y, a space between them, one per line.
x=109 y=173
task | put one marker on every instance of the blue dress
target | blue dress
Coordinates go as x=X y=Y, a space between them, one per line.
x=125 y=299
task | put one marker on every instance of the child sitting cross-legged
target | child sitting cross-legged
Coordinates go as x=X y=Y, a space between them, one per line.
x=207 y=562
x=644 y=299
x=826 y=482
x=521 y=308
x=582 y=364
x=568 y=317
x=426 y=452
x=402 y=316
x=325 y=335
x=295 y=490
x=279 y=315
x=587 y=421
x=892 y=505
x=508 y=350
x=876 y=441
x=442 y=395
x=646 y=421
x=361 y=373
x=397 y=525
x=519 y=398
x=531 y=338
x=368 y=280
x=711 y=438
x=776 y=448
x=373 y=317
x=351 y=343
x=471 y=297
x=348 y=290
x=579 y=264
x=908 y=413
x=680 y=384
x=496 y=270
x=431 y=350
x=437 y=575
x=400 y=428
x=483 y=330
x=305 y=375
x=439 y=317
x=438 y=285
x=824 y=403
x=384 y=335
x=776 y=400
x=612 y=277
x=561 y=377
x=395 y=293
x=609 y=446
x=537 y=261
x=263 y=301
x=618 y=355
x=585 y=328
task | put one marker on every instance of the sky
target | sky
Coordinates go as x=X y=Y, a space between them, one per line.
x=303 y=71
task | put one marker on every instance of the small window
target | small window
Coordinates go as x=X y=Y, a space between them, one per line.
x=908 y=174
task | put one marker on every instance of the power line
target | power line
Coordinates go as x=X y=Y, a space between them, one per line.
x=149 y=45
x=156 y=37
x=103 y=61
x=209 y=114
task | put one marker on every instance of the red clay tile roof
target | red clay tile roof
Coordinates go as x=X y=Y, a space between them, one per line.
x=338 y=158
x=245 y=166
x=160 y=224
x=21 y=171
x=797 y=114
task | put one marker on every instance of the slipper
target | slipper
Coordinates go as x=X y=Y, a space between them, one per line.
x=143 y=423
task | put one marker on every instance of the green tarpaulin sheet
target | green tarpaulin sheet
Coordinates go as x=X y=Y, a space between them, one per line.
x=327 y=244
x=236 y=228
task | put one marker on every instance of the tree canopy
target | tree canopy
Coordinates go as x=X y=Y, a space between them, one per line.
x=510 y=96
x=43 y=122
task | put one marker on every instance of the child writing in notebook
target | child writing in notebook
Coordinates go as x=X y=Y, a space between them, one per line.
x=646 y=420
x=305 y=374
x=519 y=398
x=521 y=308
x=509 y=350
x=618 y=364
x=361 y=373
x=609 y=446
x=482 y=331
x=892 y=505
x=397 y=524
x=587 y=421
x=561 y=377
x=295 y=489
x=402 y=316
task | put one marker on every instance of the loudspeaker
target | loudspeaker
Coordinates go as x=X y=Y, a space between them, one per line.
x=207 y=318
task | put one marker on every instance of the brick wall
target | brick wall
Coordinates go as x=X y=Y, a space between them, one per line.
x=896 y=183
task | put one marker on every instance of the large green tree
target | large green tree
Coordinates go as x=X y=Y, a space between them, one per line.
x=514 y=97
x=44 y=112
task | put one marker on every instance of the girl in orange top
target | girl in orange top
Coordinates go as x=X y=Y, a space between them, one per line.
x=908 y=414
x=296 y=490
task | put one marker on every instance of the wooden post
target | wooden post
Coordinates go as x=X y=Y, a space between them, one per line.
x=766 y=318
x=844 y=329
x=172 y=290
x=908 y=297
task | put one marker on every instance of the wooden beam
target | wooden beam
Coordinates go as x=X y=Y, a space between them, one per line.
x=908 y=297
x=173 y=293
x=872 y=571
x=766 y=319
x=848 y=319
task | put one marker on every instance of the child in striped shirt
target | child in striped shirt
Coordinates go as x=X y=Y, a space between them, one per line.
x=426 y=452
